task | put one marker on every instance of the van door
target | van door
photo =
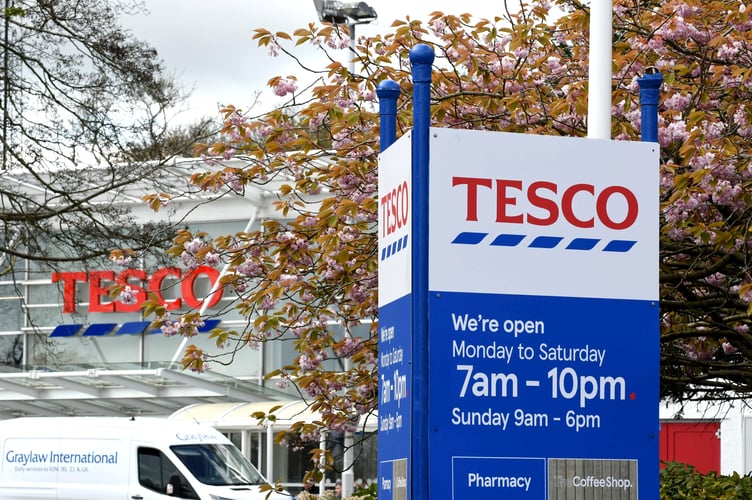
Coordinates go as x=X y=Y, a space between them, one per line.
x=157 y=478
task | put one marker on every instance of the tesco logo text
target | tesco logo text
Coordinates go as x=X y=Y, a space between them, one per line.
x=395 y=205
x=552 y=201
x=99 y=281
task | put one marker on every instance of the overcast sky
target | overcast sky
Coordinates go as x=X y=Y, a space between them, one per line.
x=208 y=46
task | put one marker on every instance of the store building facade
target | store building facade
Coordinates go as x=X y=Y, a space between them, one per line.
x=66 y=348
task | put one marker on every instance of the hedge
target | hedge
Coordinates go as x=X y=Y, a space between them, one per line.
x=680 y=481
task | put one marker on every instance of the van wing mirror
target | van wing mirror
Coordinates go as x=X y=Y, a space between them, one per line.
x=174 y=486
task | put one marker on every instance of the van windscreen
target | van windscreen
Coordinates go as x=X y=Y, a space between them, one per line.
x=218 y=464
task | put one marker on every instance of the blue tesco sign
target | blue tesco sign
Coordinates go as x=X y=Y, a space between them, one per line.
x=395 y=324
x=543 y=317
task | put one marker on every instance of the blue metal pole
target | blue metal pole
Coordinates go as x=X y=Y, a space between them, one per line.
x=650 y=85
x=388 y=92
x=421 y=57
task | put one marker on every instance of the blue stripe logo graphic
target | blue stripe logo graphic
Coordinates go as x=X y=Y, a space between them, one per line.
x=469 y=238
x=544 y=242
x=582 y=244
x=394 y=248
x=508 y=240
x=130 y=328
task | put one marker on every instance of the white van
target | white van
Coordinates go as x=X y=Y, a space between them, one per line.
x=110 y=458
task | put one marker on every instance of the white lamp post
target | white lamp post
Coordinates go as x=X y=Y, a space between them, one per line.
x=347 y=13
x=599 y=72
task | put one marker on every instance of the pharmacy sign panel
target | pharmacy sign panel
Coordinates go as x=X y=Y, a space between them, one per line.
x=543 y=314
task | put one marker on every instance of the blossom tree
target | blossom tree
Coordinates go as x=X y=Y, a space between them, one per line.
x=86 y=117
x=524 y=71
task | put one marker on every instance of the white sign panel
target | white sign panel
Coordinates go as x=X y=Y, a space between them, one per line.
x=565 y=216
x=395 y=216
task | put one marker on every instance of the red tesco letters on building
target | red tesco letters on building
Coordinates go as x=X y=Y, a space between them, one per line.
x=100 y=281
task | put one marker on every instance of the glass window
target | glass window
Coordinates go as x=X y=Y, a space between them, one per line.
x=282 y=351
x=11 y=350
x=245 y=362
x=44 y=351
x=217 y=464
x=366 y=457
x=365 y=451
x=256 y=441
x=292 y=463
x=156 y=472
x=11 y=311
x=57 y=352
